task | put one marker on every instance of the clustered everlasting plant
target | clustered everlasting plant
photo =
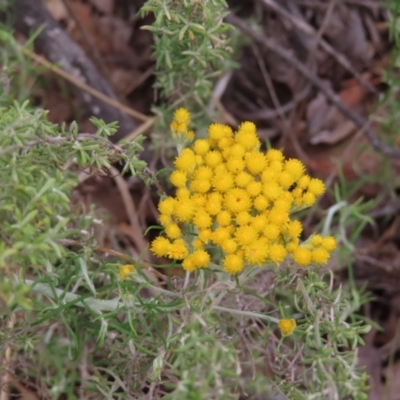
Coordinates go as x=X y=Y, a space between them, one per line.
x=233 y=211
x=183 y=339
x=233 y=196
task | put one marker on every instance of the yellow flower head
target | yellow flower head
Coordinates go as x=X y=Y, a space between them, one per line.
x=223 y=181
x=182 y=116
x=160 y=246
x=247 y=136
x=316 y=187
x=178 y=250
x=216 y=132
x=257 y=252
x=287 y=326
x=302 y=256
x=277 y=253
x=329 y=243
x=242 y=179
x=274 y=155
x=186 y=161
x=254 y=188
x=295 y=168
x=213 y=158
x=201 y=258
x=255 y=162
x=237 y=200
x=320 y=256
x=303 y=182
x=201 y=146
x=178 y=178
x=200 y=185
x=203 y=173
x=229 y=246
x=184 y=210
x=125 y=271
x=309 y=199
x=233 y=264
x=260 y=203
x=246 y=235
x=224 y=218
x=179 y=125
x=173 y=231
x=294 y=229
x=235 y=164
x=167 y=205
x=202 y=219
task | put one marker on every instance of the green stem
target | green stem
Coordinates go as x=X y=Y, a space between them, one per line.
x=247 y=313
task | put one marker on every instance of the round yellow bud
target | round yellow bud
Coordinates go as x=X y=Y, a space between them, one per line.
x=172 y=231
x=213 y=158
x=245 y=235
x=224 y=218
x=167 y=206
x=178 y=250
x=295 y=168
x=160 y=246
x=329 y=243
x=254 y=188
x=233 y=264
x=242 y=179
x=237 y=200
x=256 y=253
x=287 y=326
x=302 y=256
x=320 y=256
x=255 y=162
x=202 y=219
x=316 y=187
x=277 y=253
x=274 y=155
x=229 y=246
x=309 y=199
x=200 y=258
x=178 y=178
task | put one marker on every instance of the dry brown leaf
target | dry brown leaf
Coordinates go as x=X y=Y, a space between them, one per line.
x=326 y=124
x=341 y=131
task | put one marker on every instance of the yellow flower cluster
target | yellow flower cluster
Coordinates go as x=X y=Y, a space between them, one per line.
x=179 y=125
x=238 y=199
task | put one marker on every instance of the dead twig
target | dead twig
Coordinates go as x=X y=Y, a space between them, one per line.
x=325 y=22
x=140 y=242
x=81 y=85
x=288 y=132
x=269 y=113
x=288 y=56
